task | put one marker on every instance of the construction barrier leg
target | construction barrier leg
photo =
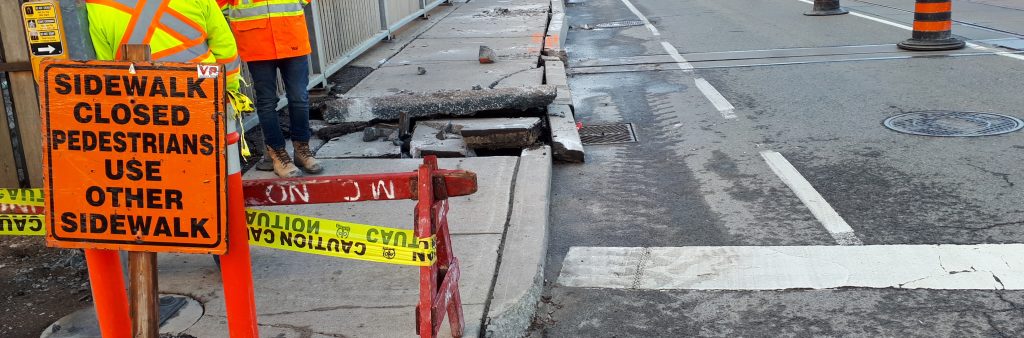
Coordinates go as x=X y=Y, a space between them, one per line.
x=108 y=292
x=236 y=265
x=439 y=282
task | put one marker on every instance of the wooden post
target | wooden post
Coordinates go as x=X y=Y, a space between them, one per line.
x=142 y=286
x=23 y=93
x=142 y=274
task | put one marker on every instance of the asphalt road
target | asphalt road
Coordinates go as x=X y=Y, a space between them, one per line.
x=815 y=91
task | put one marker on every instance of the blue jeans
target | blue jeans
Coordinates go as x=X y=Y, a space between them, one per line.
x=295 y=73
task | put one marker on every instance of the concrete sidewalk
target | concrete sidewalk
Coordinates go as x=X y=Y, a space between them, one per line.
x=301 y=295
x=499 y=233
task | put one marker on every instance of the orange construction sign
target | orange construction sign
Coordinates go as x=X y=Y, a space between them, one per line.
x=134 y=155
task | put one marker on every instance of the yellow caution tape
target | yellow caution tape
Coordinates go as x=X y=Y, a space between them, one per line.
x=22 y=225
x=338 y=239
x=33 y=197
x=297 y=233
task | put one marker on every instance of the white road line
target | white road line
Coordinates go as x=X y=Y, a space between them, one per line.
x=820 y=208
x=716 y=98
x=680 y=61
x=996 y=51
x=647 y=23
x=979 y=267
x=909 y=28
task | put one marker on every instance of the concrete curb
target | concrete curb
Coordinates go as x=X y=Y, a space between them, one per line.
x=554 y=41
x=520 y=279
x=565 y=139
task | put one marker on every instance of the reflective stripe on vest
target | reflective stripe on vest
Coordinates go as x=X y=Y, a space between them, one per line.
x=140 y=32
x=233 y=65
x=143 y=21
x=188 y=54
x=179 y=26
x=262 y=10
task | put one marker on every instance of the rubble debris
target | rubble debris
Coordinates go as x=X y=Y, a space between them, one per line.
x=353 y=146
x=493 y=133
x=389 y=133
x=430 y=140
x=440 y=103
x=486 y=55
x=334 y=130
x=565 y=138
x=421 y=70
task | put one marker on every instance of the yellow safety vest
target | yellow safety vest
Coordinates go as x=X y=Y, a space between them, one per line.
x=178 y=31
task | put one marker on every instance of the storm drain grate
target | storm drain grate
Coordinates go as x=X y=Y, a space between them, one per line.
x=619 y=24
x=607 y=133
x=953 y=123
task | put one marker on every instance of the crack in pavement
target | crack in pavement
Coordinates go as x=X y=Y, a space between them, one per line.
x=1005 y=176
x=341 y=307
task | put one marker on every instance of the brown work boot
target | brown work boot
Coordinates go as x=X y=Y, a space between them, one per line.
x=283 y=165
x=304 y=158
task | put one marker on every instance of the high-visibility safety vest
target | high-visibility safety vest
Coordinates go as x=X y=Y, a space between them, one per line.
x=175 y=30
x=268 y=29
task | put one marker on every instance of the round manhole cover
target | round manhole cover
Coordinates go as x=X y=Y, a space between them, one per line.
x=953 y=123
x=617 y=24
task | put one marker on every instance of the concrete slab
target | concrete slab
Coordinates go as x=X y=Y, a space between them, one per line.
x=379 y=54
x=294 y=290
x=484 y=212
x=520 y=279
x=430 y=140
x=515 y=7
x=83 y=323
x=448 y=75
x=352 y=146
x=479 y=27
x=427 y=51
x=494 y=133
x=565 y=138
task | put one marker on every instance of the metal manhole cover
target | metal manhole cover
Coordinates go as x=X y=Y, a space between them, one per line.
x=607 y=133
x=619 y=24
x=953 y=123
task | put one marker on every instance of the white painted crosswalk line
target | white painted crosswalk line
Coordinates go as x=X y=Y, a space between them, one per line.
x=829 y=218
x=981 y=267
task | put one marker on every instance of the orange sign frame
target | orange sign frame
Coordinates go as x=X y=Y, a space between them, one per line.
x=134 y=156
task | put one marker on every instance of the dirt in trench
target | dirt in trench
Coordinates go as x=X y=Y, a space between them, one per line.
x=38 y=285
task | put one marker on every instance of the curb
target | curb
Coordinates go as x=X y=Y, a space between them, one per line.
x=554 y=41
x=565 y=138
x=520 y=279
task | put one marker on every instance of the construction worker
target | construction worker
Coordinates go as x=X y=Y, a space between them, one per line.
x=175 y=30
x=272 y=37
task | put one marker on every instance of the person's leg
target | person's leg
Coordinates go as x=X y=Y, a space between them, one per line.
x=295 y=72
x=264 y=78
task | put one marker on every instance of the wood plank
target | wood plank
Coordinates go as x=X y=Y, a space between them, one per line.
x=23 y=91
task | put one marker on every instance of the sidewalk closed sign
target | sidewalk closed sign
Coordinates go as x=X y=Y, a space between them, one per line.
x=134 y=156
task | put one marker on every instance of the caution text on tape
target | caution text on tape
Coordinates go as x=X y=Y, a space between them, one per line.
x=32 y=197
x=22 y=225
x=274 y=230
x=338 y=239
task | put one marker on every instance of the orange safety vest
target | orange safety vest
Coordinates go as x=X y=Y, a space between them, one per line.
x=268 y=29
x=175 y=30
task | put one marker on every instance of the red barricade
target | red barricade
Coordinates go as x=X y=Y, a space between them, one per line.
x=431 y=187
